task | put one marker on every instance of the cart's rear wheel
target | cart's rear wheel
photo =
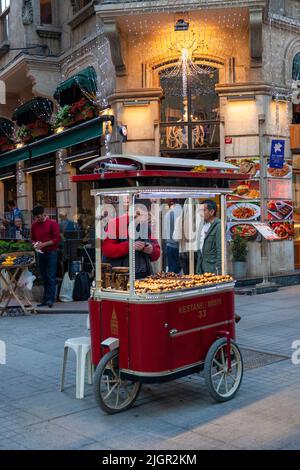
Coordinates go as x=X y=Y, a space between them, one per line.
x=223 y=383
x=112 y=393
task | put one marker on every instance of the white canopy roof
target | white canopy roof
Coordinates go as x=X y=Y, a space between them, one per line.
x=148 y=161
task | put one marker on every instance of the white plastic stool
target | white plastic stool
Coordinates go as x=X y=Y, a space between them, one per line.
x=82 y=348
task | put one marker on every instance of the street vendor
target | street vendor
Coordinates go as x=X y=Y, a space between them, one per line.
x=115 y=246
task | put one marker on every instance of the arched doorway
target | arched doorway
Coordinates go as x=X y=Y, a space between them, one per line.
x=189 y=115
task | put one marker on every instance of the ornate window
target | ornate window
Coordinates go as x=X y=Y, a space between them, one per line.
x=296 y=77
x=79 y=4
x=296 y=67
x=189 y=112
x=4 y=15
x=46 y=12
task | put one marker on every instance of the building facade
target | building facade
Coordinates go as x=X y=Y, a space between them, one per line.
x=205 y=79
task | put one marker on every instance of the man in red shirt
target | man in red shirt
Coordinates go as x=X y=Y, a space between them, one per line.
x=45 y=237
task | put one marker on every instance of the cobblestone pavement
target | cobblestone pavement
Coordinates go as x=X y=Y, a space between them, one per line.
x=177 y=415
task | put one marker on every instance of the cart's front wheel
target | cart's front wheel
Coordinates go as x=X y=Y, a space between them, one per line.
x=222 y=382
x=112 y=393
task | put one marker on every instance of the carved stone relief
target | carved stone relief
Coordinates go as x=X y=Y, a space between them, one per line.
x=27 y=12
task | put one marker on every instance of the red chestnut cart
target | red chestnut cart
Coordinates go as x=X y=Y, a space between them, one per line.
x=154 y=337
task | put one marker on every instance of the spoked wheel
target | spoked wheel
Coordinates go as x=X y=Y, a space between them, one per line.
x=112 y=393
x=223 y=383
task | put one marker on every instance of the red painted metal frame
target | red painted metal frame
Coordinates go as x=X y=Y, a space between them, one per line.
x=159 y=173
x=158 y=339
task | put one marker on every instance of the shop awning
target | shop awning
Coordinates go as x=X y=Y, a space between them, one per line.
x=77 y=135
x=83 y=132
x=37 y=108
x=6 y=128
x=67 y=92
x=15 y=156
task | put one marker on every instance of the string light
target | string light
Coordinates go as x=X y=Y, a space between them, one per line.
x=60 y=168
x=20 y=178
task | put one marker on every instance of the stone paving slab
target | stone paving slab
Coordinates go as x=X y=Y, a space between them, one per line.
x=265 y=414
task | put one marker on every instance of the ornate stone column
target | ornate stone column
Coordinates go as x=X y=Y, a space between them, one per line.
x=66 y=191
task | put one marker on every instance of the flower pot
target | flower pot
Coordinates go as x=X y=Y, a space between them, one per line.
x=68 y=122
x=239 y=269
x=88 y=114
x=40 y=132
x=26 y=139
x=78 y=117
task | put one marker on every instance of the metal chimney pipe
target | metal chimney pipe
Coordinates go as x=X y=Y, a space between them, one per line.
x=117 y=167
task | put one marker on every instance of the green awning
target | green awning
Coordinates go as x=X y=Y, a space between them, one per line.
x=86 y=80
x=14 y=156
x=76 y=135
x=6 y=128
x=37 y=108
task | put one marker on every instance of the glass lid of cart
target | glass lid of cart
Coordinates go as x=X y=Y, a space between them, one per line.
x=160 y=226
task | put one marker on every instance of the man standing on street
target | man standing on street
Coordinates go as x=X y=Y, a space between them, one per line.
x=45 y=237
x=210 y=253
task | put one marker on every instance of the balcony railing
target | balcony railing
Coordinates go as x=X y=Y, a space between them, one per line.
x=200 y=135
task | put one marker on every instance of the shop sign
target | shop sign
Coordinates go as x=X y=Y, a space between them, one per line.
x=277 y=154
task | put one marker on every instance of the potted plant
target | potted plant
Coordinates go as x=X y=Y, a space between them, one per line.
x=63 y=117
x=24 y=134
x=39 y=129
x=239 y=252
x=77 y=109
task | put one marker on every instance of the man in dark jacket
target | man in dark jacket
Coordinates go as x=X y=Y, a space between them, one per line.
x=210 y=254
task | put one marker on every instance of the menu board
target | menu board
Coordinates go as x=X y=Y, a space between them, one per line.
x=266 y=231
x=285 y=230
x=285 y=172
x=247 y=166
x=243 y=211
x=244 y=190
x=245 y=230
x=243 y=205
x=280 y=210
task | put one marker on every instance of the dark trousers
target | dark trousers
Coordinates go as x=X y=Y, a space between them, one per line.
x=48 y=266
x=173 y=260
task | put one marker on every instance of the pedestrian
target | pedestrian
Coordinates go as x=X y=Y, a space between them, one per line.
x=65 y=224
x=209 y=258
x=45 y=237
x=210 y=253
x=172 y=246
x=186 y=232
x=14 y=213
x=21 y=233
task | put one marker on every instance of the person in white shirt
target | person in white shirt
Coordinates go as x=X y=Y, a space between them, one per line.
x=172 y=246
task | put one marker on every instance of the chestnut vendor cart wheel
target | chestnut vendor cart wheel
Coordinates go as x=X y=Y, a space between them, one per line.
x=223 y=383
x=113 y=394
